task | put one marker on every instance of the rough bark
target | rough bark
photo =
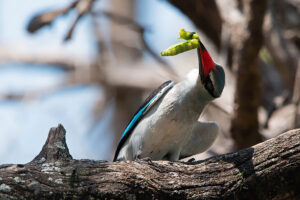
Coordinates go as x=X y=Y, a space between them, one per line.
x=269 y=170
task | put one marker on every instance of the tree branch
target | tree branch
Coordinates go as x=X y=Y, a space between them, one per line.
x=57 y=58
x=269 y=170
x=41 y=20
x=46 y=18
x=141 y=30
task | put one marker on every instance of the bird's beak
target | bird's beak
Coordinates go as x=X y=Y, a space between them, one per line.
x=206 y=64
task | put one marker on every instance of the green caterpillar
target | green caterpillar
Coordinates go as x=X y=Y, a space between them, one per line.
x=181 y=47
x=183 y=34
x=192 y=42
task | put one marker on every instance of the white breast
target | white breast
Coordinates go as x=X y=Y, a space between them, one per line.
x=163 y=132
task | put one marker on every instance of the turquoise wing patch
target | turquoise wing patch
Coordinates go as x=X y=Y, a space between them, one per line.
x=142 y=111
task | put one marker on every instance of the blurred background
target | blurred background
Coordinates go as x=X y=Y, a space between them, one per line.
x=88 y=64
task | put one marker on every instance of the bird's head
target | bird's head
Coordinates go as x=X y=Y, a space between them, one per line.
x=212 y=75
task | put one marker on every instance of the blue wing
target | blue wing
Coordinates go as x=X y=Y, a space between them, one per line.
x=142 y=111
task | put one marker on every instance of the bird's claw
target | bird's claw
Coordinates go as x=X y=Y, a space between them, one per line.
x=146 y=159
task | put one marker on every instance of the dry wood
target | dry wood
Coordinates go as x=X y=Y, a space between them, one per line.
x=269 y=170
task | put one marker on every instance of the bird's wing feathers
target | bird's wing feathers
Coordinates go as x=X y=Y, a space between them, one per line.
x=142 y=111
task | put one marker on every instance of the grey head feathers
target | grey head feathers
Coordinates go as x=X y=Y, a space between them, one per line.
x=217 y=78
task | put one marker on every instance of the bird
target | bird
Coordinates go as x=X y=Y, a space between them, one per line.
x=166 y=126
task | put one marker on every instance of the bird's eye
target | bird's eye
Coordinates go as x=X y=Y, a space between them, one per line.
x=209 y=86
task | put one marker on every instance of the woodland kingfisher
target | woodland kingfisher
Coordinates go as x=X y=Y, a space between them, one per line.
x=166 y=126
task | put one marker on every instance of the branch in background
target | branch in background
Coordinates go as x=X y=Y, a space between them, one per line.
x=244 y=174
x=83 y=7
x=249 y=40
x=121 y=20
x=41 y=20
x=35 y=94
x=283 y=60
x=141 y=31
x=46 y=18
x=53 y=58
x=143 y=77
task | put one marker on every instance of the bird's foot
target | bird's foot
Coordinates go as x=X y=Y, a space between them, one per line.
x=147 y=159
x=191 y=160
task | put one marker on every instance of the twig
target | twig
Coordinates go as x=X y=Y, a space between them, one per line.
x=83 y=7
x=141 y=31
x=46 y=18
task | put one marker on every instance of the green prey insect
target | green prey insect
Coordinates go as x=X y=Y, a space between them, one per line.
x=192 y=42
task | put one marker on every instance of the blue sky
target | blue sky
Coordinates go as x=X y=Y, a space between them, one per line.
x=15 y=15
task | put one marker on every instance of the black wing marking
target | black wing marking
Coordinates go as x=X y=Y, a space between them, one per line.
x=142 y=110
